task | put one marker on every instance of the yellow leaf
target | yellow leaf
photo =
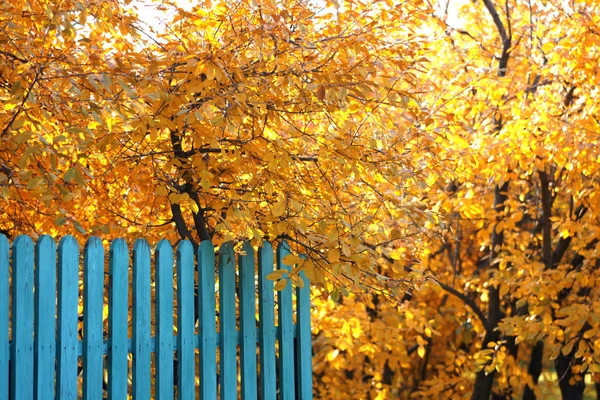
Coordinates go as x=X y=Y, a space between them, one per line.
x=484 y=296
x=276 y=275
x=280 y=284
x=34 y=183
x=69 y=196
x=278 y=208
x=345 y=249
x=292 y=259
x=162 y=190
x=309 y=270
x=22 y=137
x=24 y=161
x=269 y=188
x=297 y=281
x=334 y=255
x=590 y=332
x=174 y=198
x=194 y=207
x=18 y=124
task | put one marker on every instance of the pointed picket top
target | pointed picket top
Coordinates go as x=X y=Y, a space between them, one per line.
x=185 y=321
x=286 y=328
x=118 y=303
x=247 y=322
x=23 y=314
x=207 y=324
x=93 y=295
x=45 y=316
x=68 y=296
x=141 y=341
x=227 y=317
x=164 y=320
x=266 y=312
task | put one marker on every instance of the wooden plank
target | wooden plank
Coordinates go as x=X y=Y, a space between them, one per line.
x=4 y=291
x=207 y=321
x=93 y=294
x=303 y=341
x=22 y=319
x=118 y=308
x=266 y=324
x=45 y=316
x=164 y=320
x=227 y=348
x=141 y=340
x=247 y=323
x=185 y=322
x=68 y=294
x=285 y=331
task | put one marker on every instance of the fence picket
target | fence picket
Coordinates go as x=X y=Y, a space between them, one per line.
x=227 y=328
x=93 y=294
x=185 y=321
x=266 y=326
x=207 y=322
x=285 y=330
x=22 y=312
x=118 y=306
x=247 y=322
x=164 y=320
x=68 y=294
x=45 y=316
x=4 y=291
x=303 y=340
x=141 y=323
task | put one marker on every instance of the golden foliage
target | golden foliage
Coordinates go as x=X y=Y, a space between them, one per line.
x=438 y=172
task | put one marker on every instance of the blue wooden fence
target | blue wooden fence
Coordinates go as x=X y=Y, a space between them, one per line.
x=43 y=357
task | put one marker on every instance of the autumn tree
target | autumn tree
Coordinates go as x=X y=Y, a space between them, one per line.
x=517 y=118
x=510 y=87
x=234 y=120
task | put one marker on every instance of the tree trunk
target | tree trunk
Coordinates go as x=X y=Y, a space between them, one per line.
x=484 y=382
x=563 y=366
x=534 y=369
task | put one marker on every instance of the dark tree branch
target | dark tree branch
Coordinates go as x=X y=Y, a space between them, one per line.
x=19 y=108
x=469 y=302
x=212 y=150
x=545 y=219
x=181 y=226
x=497 y=21
x=505 y=37
x=563 y=243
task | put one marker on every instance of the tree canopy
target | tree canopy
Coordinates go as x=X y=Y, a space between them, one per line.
x=238 y=120
x=436 y=163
